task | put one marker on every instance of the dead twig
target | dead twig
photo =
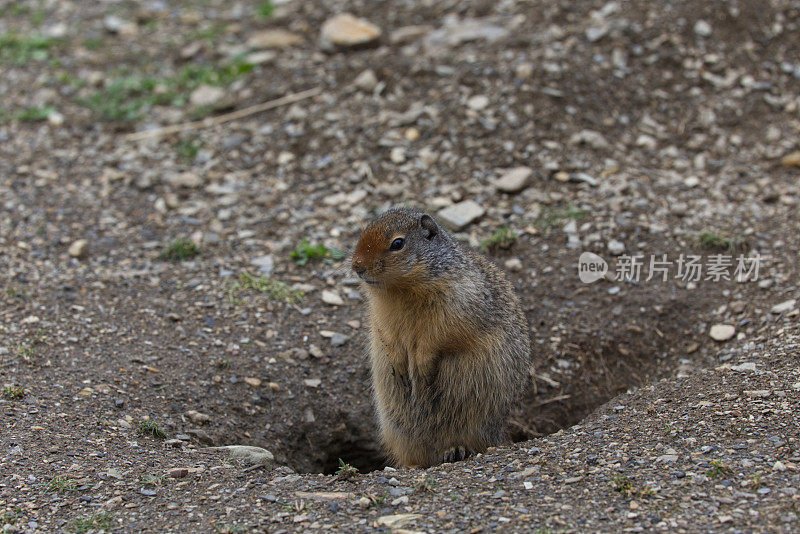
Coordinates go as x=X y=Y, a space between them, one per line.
x=550 y=401
x=227 y=117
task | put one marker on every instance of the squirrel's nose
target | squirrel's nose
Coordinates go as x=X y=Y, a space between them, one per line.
x=359 y=268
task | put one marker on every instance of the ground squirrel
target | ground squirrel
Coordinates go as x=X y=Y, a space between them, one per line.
x=449 y=345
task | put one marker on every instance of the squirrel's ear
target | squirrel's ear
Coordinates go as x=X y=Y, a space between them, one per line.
x=429 y=225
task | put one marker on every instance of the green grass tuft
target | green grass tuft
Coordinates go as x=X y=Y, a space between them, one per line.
x=503 y=238
x=19 y=50
x=61 y=484
x=550 y=218
x=187 y=149
x=711 y=240
x=179 y=249
x=629 y=488
x=99 y=521
x=13 y=392
x=345 y=471
x=129 y=98
x=719 y=469
x=275 y=289
x=265 y=9
x=305 y=251
x=425 y=484
x=93 y=43
x=34 y=114
x=152 y=429
x=230 y=528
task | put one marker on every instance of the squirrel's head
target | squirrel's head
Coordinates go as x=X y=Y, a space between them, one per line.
x=396 y=249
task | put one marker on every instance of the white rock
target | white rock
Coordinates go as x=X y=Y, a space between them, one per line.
x=285 y=157
x=524 y=71
x=331 y=297
x=514 y=180
x=334 y=199
x=646 y=141
x=261 y=57
x=757 y=393
x=312 y=382
x=785 y=306
x=57 y=30
x=702 y=28
x=273 y=38
x=264 y=263
x=594 y=34
x=398 y=155
x=356 y=196
x=478 y=102
x=345 y=30
x=79 y=248
x=513 y=264
x=55 y=118
x=397 y=521
x=114 y=24
x=585 y=178
x=206 y=95
x=616 y=247
x=591 y=138
x=184 y=179
x=408 y=34
x=744 y=367
x=454 y=32
x=460 y=215
x=722 y=332
x=198 y=418
x=366 y=81
x=252 y=455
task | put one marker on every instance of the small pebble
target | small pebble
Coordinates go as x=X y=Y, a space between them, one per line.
x=513 y=180
x=460 y=215
x=332 y=298
x=366 y=81
x=478 y=102
x=616 y=247
x=722 y=332
x=79 y=248
x=345 y=30
x=702 y=28
x=513 y=264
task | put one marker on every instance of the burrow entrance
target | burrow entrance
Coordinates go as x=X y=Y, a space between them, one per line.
x=601 y=352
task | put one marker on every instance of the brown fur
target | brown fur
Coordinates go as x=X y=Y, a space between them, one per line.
x=449 y=345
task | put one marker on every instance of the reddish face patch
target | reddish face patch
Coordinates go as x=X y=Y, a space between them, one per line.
x=370 y=248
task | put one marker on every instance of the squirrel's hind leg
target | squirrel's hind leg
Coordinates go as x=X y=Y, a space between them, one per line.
x=455 y=454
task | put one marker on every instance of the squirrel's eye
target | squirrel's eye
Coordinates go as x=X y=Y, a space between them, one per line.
x=397 y=244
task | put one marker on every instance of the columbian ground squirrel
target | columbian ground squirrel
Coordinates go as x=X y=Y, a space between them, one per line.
x=449 y=344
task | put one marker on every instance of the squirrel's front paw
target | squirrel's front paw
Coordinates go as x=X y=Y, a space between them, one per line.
x=455 y=454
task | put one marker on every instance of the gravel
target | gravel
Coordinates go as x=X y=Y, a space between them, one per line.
x=668 y=128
